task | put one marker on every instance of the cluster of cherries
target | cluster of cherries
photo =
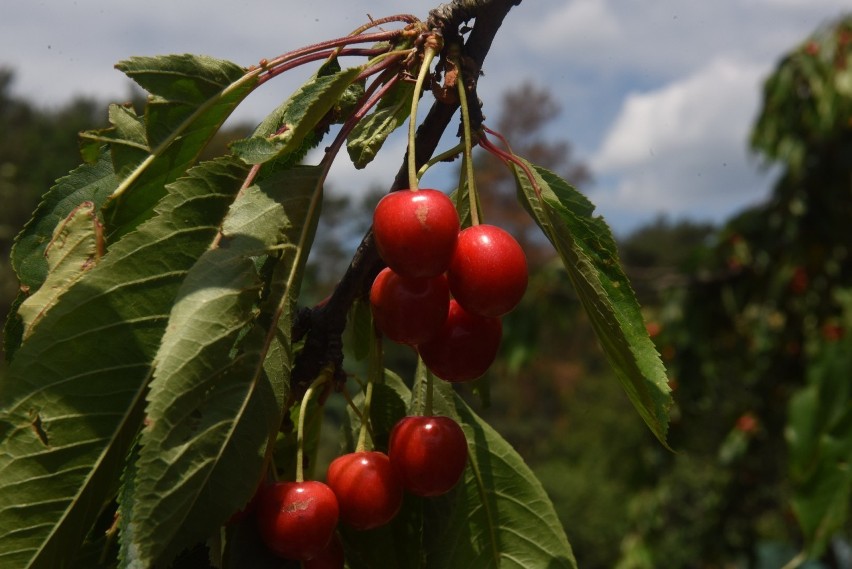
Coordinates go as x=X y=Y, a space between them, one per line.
x=297 y=520
x=428 y=259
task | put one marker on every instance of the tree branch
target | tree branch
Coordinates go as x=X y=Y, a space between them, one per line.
x=324 y=324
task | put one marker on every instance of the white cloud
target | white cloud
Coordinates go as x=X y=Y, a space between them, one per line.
x=578 y=25
x=682 y=148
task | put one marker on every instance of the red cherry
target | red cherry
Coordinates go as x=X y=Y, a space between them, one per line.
x=465 y=347
x=416 y=231
x=367 y=488
x=329 y=558
x=429 y=453
x=488 y=273
x=409 y=311
x=297 y=519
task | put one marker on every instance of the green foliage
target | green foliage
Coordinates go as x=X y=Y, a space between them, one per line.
x=73 y=394
x=284 y=130
x=756 y=346
x=368 y=137
x=588 y=251
x=820 y=439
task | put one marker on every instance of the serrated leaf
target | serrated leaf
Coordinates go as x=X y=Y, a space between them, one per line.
x=588 y=250
x=89 y=182
x=211 y=416
x=499 y=515
x=125 y=138
x=368 y=136
x=74 y=249
x=300 y=114
x=192 y=96
x=72 y=398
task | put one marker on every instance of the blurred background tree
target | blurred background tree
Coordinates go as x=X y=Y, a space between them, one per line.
x=752 y=319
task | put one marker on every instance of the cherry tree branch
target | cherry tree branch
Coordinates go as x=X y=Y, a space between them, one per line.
x=322 y=326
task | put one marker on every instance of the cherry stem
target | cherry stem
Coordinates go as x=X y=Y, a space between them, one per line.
x=507 y=157
x=375 y=370
x=446 y=156
x=271 y=67
x=468 y=151
x=316 y=56
x=300 y=433
x=433 y=47
x=430 y=382
x=406 y=18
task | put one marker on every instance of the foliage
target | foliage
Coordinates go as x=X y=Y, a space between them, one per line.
x=156 y=353
x=754 y=343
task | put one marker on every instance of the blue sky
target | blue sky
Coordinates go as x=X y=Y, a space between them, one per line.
x=657 y=95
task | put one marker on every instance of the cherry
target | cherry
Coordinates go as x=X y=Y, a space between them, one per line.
x=329 y=558
x=488 y=272
x=367 y=488
x=416 y=231
x=465 y=347
x=429 y=453
x=409 y=311
x=297 y=519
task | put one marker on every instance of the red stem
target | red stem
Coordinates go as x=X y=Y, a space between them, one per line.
x=316 y=56
x=275 y=62
x=509 y=157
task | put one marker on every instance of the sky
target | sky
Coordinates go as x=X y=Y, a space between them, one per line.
x=657 y=96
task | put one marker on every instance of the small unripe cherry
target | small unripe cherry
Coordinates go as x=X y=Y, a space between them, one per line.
x=367 y=488
x=488 y=272
x=429 y=453
x=297 y=519
x=416 y=231
x=409 y=311
x=464 y=348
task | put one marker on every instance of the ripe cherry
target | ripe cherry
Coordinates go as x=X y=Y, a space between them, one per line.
x=429 y=453
x=331 y=557
x=416 y=231
x=297 y=519
x=409 y=311
x=488 y=272
x=465 y=347
x=367 y=488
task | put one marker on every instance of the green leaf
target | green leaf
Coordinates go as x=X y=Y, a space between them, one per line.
x=367 y=138
x=212 y=416
x=192 y=97
x=588 y=251
x=125 y=138
x=74 y=249
x=300 y=114
x=89 y=182
x=73 y=397
x=499 y=515
x=819 y=437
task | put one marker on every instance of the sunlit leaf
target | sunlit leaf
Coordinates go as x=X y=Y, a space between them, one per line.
x=212 y=410
x=74 y=249
x=192 y=97
x=499 y=514
x=89 y=182
x=588 y=250
x=73 y=397
x=298 y=117
x=368 y=137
